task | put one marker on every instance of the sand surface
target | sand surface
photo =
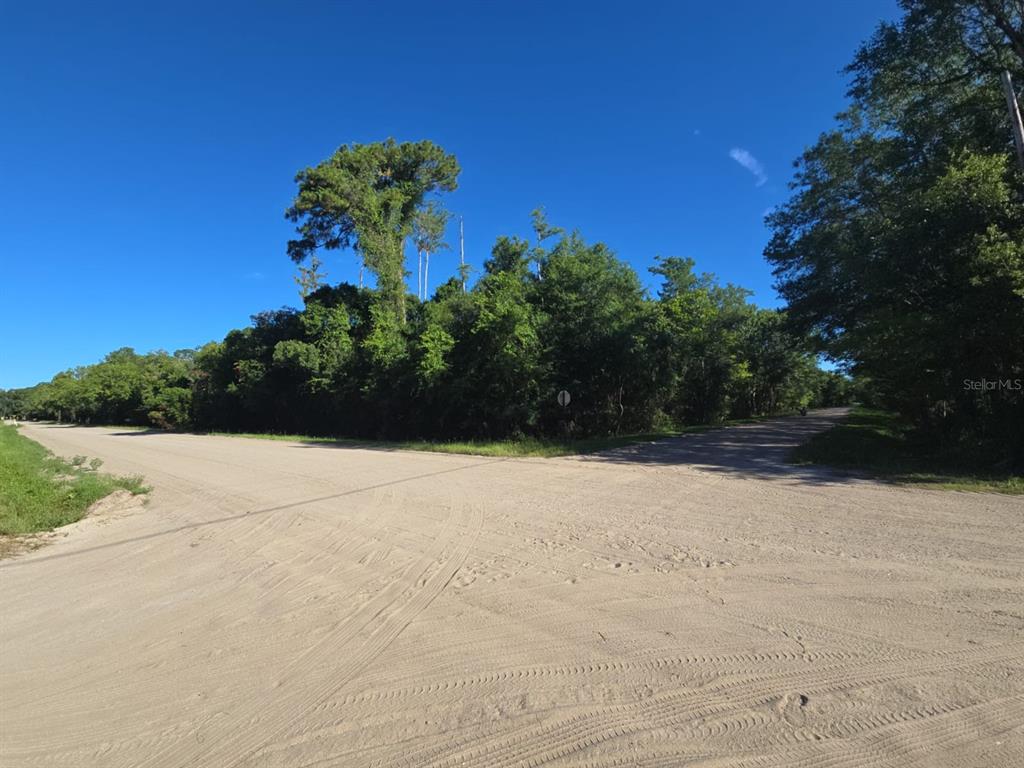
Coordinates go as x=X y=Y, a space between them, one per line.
x=694 y=602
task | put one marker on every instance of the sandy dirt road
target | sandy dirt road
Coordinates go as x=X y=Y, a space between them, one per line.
x=692 y=602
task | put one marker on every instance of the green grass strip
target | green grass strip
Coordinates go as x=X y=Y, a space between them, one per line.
x=39 y=492
x=881 y=444
x=523 y=447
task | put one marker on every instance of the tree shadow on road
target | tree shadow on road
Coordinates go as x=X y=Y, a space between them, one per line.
x=759 y=450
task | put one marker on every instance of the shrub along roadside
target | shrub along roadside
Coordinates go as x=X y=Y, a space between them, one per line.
x=520 y=447
x=882 y=444
x=39 y=491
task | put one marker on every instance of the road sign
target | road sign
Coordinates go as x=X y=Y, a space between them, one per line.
x=563 y=398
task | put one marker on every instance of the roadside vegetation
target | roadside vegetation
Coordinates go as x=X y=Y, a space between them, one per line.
x=511 y=448
x=522 y=447
x=39 y=491
x=901 y=249
x=885 y=445
x=479 y=363
x=519 y=447
x=900 y=255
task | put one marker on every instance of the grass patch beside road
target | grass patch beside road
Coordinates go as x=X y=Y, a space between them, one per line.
x=522 y=447
x=517 y=448
x=532 y=446
x=39 y=491
x=881 y=444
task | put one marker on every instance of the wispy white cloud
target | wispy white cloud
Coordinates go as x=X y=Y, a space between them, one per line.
x=751 y=163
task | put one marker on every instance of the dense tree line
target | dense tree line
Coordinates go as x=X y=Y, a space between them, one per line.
x=900 y=255
x=124 y=388
x=548 y=314
x=555 y=313
x=902 y=248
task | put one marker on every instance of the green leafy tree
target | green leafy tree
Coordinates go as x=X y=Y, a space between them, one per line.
x=702 y=325
x=366 y=197
x=12 y=403
x=902 y=249
x=590 y=305
x=167 y=389
x=503 y=361
x=510 y=254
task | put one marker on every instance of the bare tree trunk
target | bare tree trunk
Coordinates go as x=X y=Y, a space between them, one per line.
x=1015 y=120
x=397 y=283
x=419 y=274
x=426 y=275
x=462 y=255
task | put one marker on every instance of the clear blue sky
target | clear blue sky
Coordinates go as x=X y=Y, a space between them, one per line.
x=147 y=150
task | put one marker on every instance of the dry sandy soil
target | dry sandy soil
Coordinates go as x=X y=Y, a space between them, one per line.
x=692 y=602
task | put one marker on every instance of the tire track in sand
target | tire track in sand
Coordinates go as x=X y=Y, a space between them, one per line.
x=355 y=642
x=553 y=740
x=896 y=746
x=891 y=746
